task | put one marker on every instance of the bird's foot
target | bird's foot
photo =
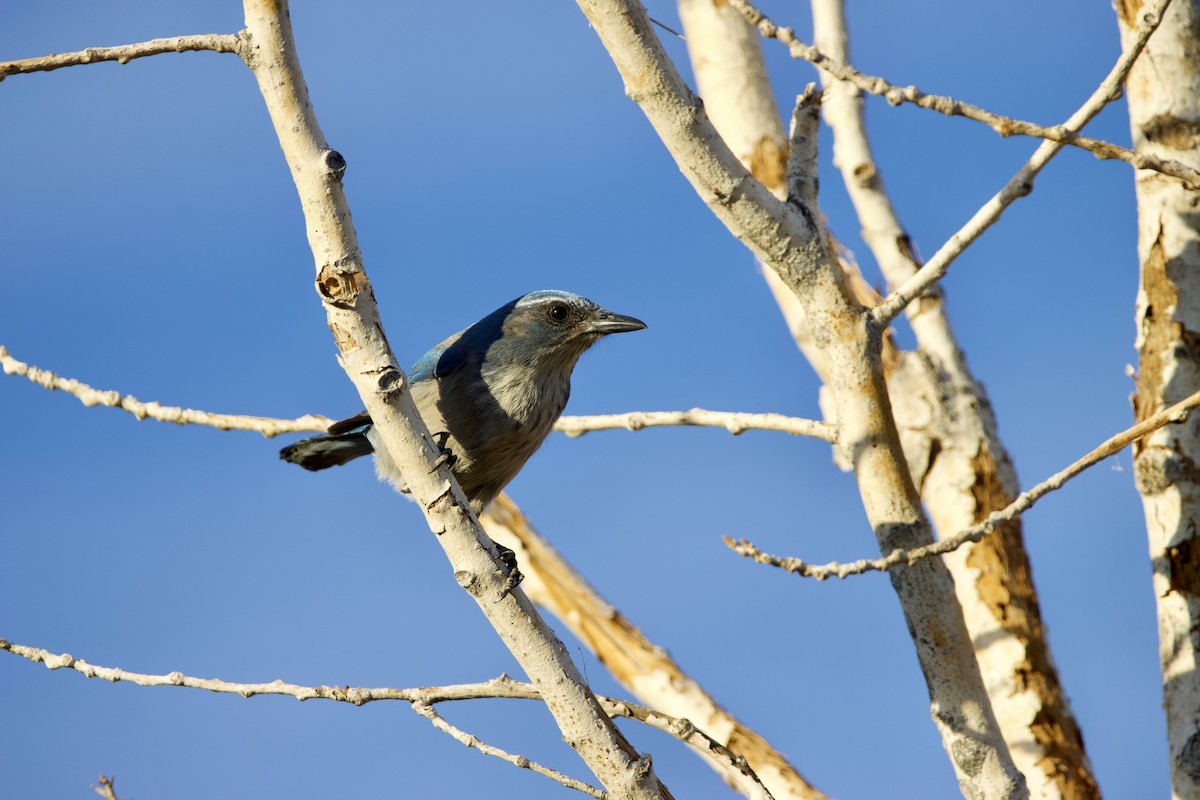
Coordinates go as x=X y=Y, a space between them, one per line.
x=446 y=456
x=514 y=577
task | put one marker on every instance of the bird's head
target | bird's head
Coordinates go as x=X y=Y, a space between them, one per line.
x=552 y=327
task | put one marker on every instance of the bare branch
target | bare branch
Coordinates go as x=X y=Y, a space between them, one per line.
x=746 y=781
x=732 y=421
x=1005 y=126
x=1024 y=501
x=105 y=788
x=1020 y=184
x=366 y=356
x=641 y=666
x=843 y=109
x=123 y=54
x=787 y=238
x=470 y=740
x=960 y=466
x=180 y=416
x=802 y=149
x=422 y=701
x=501 y=687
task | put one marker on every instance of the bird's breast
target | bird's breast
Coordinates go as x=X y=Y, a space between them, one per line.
x=531 y=399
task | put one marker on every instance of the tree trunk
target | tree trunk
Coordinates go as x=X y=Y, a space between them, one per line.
x=1163 y=92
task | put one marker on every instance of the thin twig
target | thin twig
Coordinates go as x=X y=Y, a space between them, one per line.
x=1005 y=126
x=180 y=416
x=671 y=31
x=748 y=783
x=422 y=701
x=1020 y=184
x=732 y=421
x=105 y=788
x=1024 y=501
x=123 y=54
x=470 y=740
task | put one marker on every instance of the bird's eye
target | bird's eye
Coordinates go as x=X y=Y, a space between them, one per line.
x=557 y=312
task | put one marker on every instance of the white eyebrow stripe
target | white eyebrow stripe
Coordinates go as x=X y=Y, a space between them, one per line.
x=549 y=297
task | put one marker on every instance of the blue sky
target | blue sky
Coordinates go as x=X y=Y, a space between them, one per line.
x=153 y=243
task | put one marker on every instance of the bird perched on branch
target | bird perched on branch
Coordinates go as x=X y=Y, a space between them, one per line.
x=490 y=393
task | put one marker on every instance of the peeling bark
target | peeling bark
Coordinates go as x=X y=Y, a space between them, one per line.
x=1163 y=92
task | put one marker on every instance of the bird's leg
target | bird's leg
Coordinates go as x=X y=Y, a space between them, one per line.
x=509 y=559
x=446 y=457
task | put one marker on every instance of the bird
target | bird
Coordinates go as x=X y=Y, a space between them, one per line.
x=490 y=393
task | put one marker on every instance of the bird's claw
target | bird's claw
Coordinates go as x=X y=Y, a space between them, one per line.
x=514 y=577
x=446 y=457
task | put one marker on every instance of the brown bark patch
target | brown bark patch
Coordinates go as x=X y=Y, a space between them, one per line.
x=1005 y=585
x=345 y=341
x=1172 y=132
x=768 y=163
x=1184 y=559
x=1159 y=333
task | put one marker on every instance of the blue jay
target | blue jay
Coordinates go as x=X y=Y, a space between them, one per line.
x=490 y=393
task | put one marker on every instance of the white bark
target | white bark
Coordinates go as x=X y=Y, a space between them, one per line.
x=786 y=238
x=367 y=358
x=214 y=42
x=422 y=701
x=736 y=422
x=90 y=396
x=1163 y=93
x=961 y=465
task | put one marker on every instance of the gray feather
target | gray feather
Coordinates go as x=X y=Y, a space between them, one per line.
x=491 y=392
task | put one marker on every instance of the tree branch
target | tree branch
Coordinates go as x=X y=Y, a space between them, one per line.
x=470 y=740
x=105 y=788
x=961 y=466
x=216 y=42
x=1163 y=98
x=1020 y=184
x=1024 y=501
x=180 y=416
x=786 y=237
x=732 y=421
x=422 y=701
x=1005 y=126
x=367 y=358
x=644 y=668
x=802 y=171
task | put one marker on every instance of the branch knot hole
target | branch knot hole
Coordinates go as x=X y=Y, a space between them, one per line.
x=335 y=162
x=390 y=383
x=338 y=285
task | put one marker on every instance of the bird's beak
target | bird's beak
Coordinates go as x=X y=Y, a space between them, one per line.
x=608 y=322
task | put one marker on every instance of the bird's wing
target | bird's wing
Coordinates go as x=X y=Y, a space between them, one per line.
x=347 y=425
x=441 y=360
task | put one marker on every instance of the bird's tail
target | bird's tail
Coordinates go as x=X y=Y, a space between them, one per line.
x=322 y=452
